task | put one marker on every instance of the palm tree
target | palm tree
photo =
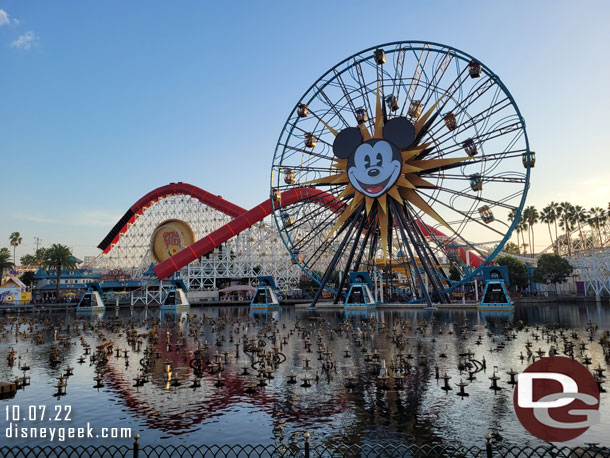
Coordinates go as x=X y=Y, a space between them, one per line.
x=15 y=239
x=58 y=257
x=525 y=216
x=580 y=217
x=511 y=217
x=5 y=262
x=554 y=206
x=597 y=216
x=521 y=228
x=547 y=215
x=531 y=215
x=567 y=222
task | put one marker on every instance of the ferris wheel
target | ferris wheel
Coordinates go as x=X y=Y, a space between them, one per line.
x=409 y=152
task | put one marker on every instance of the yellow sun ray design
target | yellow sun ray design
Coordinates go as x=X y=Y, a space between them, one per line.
x=349 y=190
x=330 y=179
x=340 y=164
x=369 y=204
x=351 y=208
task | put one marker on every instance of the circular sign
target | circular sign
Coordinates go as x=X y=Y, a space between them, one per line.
x=556 y=399
x=169 y=238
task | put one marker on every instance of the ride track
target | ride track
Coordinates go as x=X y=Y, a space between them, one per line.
x=243 y=219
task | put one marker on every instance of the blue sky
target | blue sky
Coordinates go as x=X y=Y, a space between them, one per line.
x=102 y=102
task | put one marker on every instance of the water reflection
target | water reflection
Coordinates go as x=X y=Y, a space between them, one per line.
x=238 y=392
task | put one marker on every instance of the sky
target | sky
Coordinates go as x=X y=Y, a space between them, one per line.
x=101 y=102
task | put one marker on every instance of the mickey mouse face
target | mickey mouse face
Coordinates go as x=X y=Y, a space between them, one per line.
x=374 y=166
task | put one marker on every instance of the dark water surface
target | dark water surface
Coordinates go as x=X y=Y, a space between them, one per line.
x=421 y=412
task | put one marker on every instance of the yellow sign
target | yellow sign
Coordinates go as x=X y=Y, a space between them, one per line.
x=169 y=238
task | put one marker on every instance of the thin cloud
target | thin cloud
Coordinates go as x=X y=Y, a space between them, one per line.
x=96 y=218
x=35 y=219
x=25 y=41
x=4 y=19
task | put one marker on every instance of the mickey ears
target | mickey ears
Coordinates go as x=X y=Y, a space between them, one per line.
x=400 y=132
x=346 y=142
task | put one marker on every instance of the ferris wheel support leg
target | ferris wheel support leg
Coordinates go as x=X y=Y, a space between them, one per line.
x=420 y=281
x=364 y=243
x=333 y=262
x=350 y=258
x=434 y=273
x=431 y=271
x=407 y=242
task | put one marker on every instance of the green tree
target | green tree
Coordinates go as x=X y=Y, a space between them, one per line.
x=521 y=228
x=597 y=217
x=34 y=259
x=15 y=240
x=511 y=248
x=58 y=257
x=531 y=215
x=566 y=221
x=511 y=217
x=552 y=268
x=454 y=273
x=554 y=207
x=5 y=262
x=548 y=216
x=27 y=278
x=517 y=271
x=581 y=216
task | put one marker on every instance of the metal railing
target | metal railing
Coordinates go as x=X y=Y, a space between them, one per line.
x=301 y=449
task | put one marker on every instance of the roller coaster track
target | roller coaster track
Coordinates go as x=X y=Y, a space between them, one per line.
x=243 y=219
x=130 y=216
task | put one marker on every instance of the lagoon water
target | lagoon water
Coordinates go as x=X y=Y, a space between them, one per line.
x=420 y=413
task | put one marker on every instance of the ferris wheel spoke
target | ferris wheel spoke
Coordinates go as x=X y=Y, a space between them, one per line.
x=466 y=215
x=437 y=123
x=363 y=91
x=345 y=91
x=472 y=122
x=434 y=87
x=418 y=71
x=398 y=71
x=497 y=156
x=304 y=151
x=475 y=197
x=316 y=135
x=332 y=107
x=488 y=178
x=479 y=139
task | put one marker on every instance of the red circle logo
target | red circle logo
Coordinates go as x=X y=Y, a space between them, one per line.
x=556 y=399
